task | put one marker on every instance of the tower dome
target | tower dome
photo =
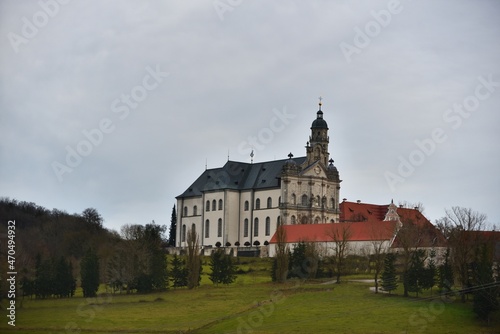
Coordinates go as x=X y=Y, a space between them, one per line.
x=319 y=122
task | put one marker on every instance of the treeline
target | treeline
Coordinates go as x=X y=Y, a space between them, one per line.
x=50 y=242
x=53 y=277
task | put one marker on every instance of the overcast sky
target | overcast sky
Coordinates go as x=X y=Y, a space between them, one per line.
x=118 y=105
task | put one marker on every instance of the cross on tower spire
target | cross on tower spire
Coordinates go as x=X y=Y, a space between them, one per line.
x=320 y=104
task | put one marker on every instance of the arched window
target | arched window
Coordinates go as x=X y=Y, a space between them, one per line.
x=219 y=228
x=269 y=202
x=207 y=228
x=268 y=226
x=193 y=228
x=304 y=200
x=220 y=204
x=183 y=236
x=333 y=203
x=294 y=199
x=279 y=200
x=318 y=200
x=185 y=211
x=245 y=228
x=246 y=205
x=207 y=206
x=293 y=220
x=214 y=205
x=316 y=220
x=256 y=227
x=278 y=221
x=324 y=202
x=257 y=204
x=195 y=210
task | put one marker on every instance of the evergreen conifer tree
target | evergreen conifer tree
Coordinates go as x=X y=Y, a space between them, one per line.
x=223 y=269
x=416 y=274
x=445 y=274
x=173 y=228
x=89 y=269
x=389 y=279
x=178 y=272
x=486 y=290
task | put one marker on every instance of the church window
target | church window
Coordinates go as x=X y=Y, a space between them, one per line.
x=246 y=205
x=207 y=228
x=193 y=228
x=207 y=206
x=183 y=237
x=318 y=201
x=257 y=204
x=219 y=228
x=269 y=202
x=214 y=205
x=256 y=227
x=293 y=220
x=268 y=226
x=220 y=204
x=195 y=210
x=332 y=203
x=294 y=199
x=245 y=228
x=278 y=221
x=304 y=200
x=185 y=211
x=324 y=203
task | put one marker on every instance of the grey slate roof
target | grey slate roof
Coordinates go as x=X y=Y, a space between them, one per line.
x=239 y=176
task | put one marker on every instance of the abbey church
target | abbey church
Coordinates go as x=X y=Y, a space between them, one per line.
x=243 y=203
x=240 y=205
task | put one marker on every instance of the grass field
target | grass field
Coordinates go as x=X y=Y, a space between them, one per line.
x=251 y=305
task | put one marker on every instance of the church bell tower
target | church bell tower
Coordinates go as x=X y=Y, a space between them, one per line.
x=317 y=146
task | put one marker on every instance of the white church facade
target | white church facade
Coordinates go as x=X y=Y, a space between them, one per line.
x=241 y=204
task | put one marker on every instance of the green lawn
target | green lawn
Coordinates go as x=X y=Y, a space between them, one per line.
x=251 y=305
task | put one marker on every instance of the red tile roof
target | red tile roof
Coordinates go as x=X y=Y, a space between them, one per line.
x=351 y=211
x=366 y=223
x=360 y=231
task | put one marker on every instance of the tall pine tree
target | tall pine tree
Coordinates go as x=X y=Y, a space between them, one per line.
x=389 y=279
x=89 y=270
x=173 y=228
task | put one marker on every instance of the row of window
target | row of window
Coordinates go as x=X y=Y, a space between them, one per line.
x=305 y=201
x=207 y=228
x=216 y=207
x=257 y=204
x=267 y=230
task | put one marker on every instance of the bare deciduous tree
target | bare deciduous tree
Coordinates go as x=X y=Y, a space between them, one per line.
x=193 y=261
x=340 y=234
x=409 y=238
x=377 y=251
x=281 y=255
x=463 y=244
